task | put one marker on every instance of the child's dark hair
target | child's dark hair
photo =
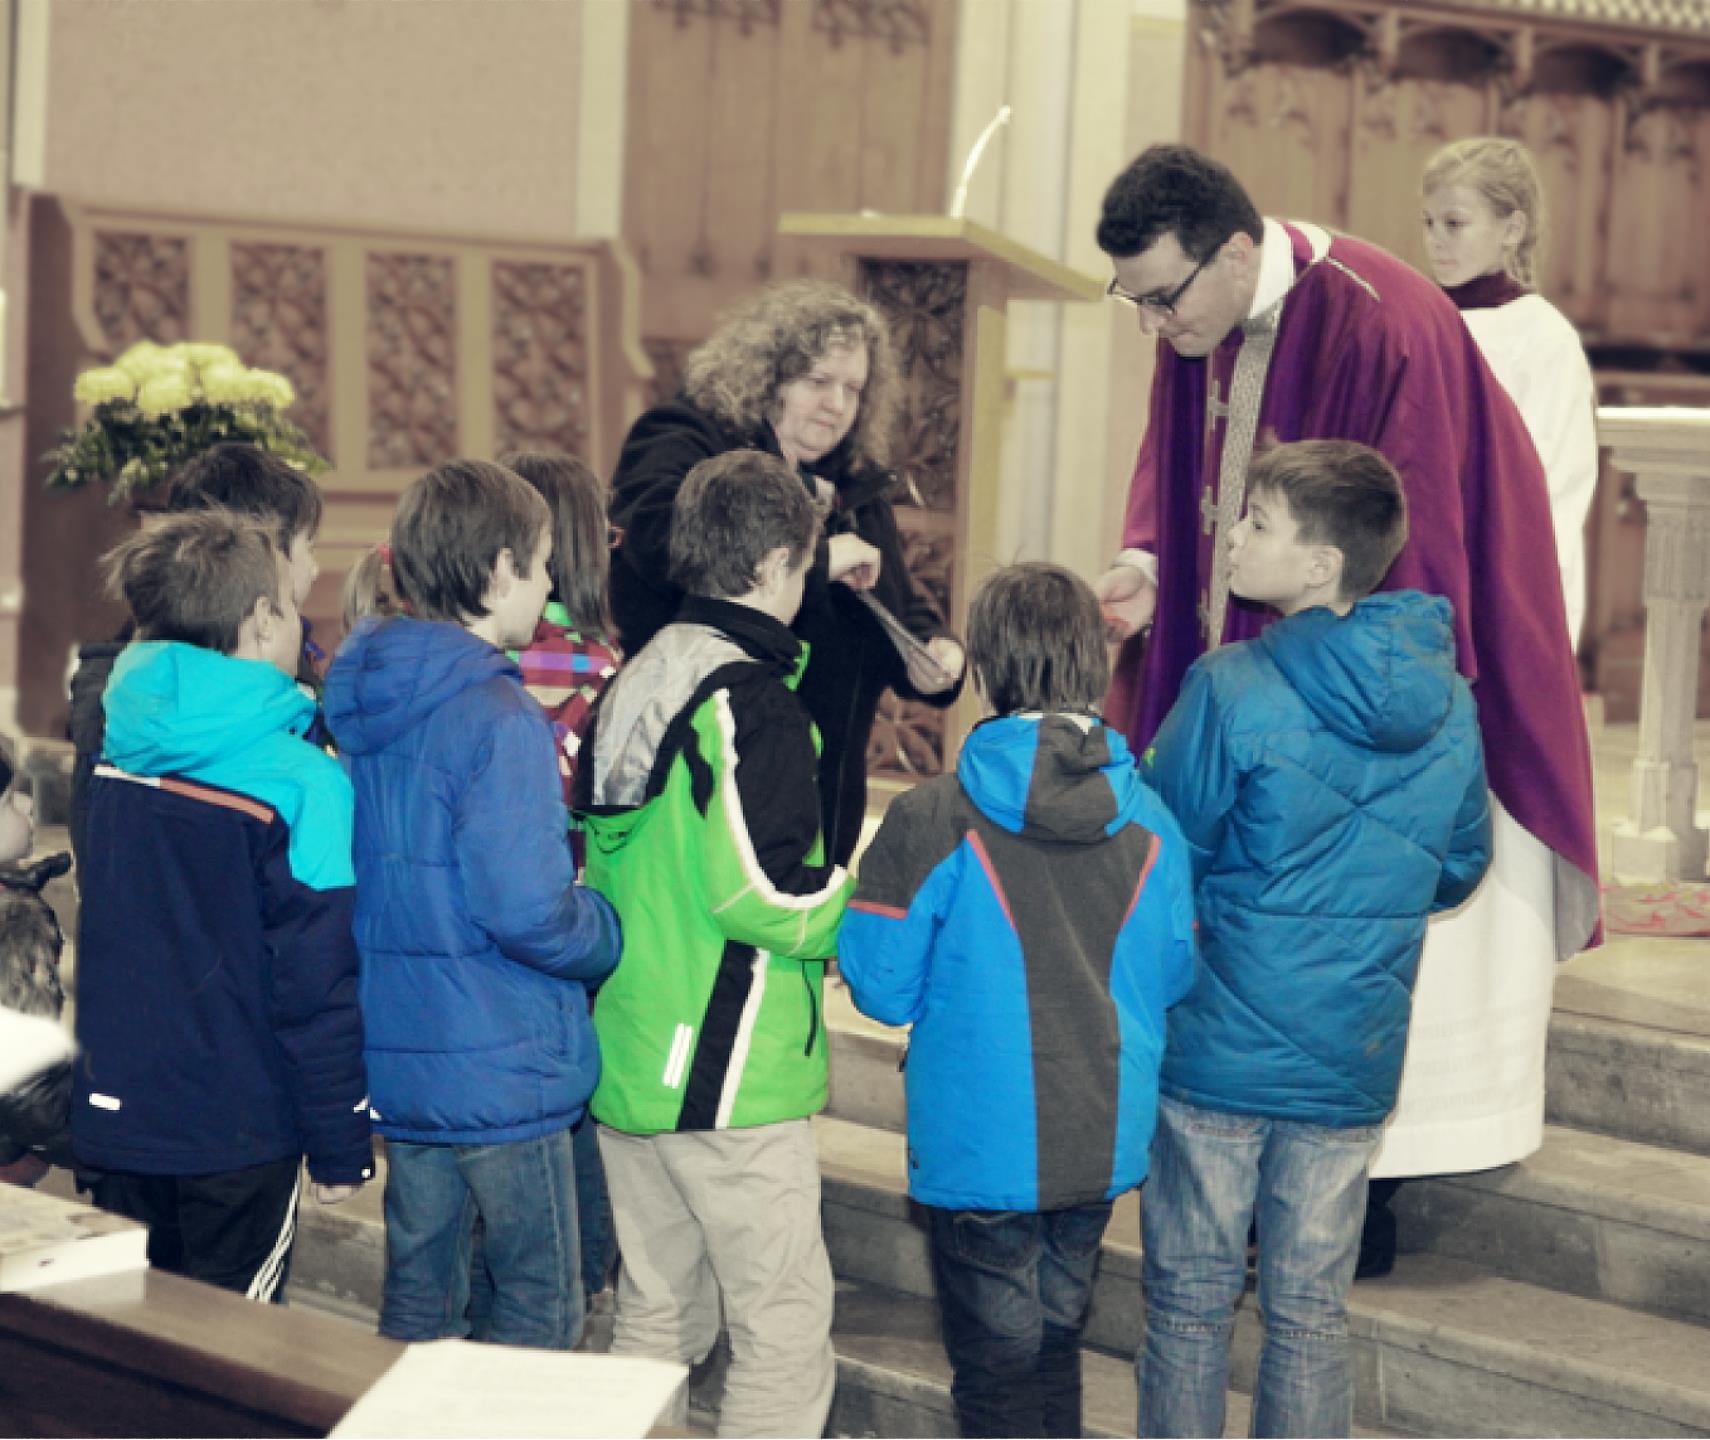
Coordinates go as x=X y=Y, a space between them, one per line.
x=248 y=480
x=581 y=559
x=1343 y=494
x=1036 y=640
x=447 y=533
x=1175 y=190
x=732 y=512
x=195 y=578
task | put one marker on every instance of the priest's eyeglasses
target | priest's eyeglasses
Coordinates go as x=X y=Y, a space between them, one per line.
x=1159 y=304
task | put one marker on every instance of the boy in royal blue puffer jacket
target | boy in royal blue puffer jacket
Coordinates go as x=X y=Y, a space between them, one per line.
x=477 y=944
x=1329 y=779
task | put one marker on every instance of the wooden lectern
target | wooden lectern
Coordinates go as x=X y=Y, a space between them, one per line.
x=945 y=284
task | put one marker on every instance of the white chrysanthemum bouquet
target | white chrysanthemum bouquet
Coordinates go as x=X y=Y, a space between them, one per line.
x=157 y=406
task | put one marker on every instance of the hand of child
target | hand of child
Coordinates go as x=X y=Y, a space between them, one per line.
x=1127 y=600
x=853 y=561
x=333 y=1194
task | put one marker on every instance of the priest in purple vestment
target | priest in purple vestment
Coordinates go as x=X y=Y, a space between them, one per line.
x=1279 y=332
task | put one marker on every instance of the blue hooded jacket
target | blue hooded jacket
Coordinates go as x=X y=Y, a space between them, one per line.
x=1329 y=778
x=477 y=944
x=1032 y=918
x=216 y=972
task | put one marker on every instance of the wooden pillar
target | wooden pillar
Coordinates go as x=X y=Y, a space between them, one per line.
x=1668 y=453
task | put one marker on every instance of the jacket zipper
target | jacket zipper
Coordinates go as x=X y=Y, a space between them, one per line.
x=813 y=1009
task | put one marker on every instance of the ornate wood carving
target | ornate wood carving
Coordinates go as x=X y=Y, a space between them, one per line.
x=745 y=13
x=668 y=357
x=540 y=357
x=279 y=322
x=900 y=23
x=925 y=305
x=412 y=360
x=142 y=287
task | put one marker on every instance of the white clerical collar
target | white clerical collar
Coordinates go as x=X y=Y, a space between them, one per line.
x=1276 y=261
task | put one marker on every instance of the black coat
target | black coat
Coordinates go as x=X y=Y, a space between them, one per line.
x=852 y=661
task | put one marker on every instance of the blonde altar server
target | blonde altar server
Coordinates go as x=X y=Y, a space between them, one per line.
x=1472 y=1094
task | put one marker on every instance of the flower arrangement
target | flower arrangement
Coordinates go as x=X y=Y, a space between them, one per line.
x=156 y=406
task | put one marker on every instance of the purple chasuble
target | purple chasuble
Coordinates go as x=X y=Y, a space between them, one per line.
x=1370 y=350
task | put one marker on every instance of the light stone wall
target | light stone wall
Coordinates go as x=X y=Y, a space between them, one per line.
x=1090 y=83
x=454 y=116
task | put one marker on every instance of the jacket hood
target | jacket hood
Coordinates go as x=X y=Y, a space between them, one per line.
x=174 y=709
x=1067 y=778
x=1382 y=676
x=391 y=674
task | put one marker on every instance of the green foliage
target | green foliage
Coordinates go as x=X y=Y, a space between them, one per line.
x=156 y=407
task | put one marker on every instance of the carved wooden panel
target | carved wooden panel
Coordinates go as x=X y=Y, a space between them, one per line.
x=279 y=322
x=540 y=357
x=1285 y=128
x=1571 y=136
x=412 y=360
x=142 y=287
x=1659 y=274
x=926 y=307
x=740 y=111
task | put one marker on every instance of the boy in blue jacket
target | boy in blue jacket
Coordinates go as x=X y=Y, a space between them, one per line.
x=216 y=974
x=1032 y=917
x=478 y=947
x=1329 y=779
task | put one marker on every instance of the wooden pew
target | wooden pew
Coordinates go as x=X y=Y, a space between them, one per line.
x=148 y=1353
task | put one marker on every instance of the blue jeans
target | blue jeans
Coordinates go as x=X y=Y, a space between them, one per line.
x=1014 y=1287
x=1212 y=1175
x=525 y=1194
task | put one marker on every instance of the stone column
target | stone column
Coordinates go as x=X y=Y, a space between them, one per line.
x=1668 y=453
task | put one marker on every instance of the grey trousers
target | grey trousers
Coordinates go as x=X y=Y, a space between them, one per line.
x=731 y=1213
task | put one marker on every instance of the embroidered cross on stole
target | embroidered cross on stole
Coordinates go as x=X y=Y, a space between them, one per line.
x=1222 y=512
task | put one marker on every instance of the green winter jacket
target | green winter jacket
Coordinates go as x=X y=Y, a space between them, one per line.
x=697 y=792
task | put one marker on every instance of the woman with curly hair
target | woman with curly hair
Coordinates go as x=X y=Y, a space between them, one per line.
x=803 y=370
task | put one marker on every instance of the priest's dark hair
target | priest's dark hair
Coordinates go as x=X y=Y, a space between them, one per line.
x=732 y=512
x=1036 y=641
x=1173 y=189
x=1343 y=494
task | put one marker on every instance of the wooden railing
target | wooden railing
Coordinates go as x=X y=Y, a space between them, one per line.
x=405 y=349
x=1668 y=453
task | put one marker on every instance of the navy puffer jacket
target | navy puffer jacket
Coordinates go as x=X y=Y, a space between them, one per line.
x=1329 y=779
x=476 y=943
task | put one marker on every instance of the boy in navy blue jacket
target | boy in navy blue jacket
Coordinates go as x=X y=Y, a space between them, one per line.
x=1329 y=779
x=216 y=971
x=478 y=947
x=1032 y=917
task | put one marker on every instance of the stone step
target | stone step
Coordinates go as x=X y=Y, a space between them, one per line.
x=1442 y=1347
x=1637 y=1081
x=1589 y=1214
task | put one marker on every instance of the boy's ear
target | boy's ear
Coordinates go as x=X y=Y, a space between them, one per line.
x=1325 y=566
x=504 y=573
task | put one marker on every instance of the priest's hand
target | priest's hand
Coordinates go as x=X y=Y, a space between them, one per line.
x=853 y=561
x=1127 y=599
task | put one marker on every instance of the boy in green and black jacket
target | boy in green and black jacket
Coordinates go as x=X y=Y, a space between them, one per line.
x=697 y=789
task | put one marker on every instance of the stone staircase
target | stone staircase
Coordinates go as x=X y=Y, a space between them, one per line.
x=1569 y=1295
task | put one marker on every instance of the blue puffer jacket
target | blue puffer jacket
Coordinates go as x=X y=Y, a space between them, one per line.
x=476 y=943
x=1032 y=917
x=1329 y=779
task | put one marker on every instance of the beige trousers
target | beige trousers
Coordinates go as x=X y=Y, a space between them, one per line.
x=731 y=1213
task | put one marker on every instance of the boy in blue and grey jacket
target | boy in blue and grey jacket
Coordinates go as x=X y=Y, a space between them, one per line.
x=1032 y=917
x=1329 y=779
x=478 y=947
x=216 y=972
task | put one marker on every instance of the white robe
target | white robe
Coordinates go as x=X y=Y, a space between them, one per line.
x=1472 y=1089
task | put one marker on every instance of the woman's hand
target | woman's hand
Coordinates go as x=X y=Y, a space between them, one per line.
x=853 y=562
x=333 y=1194
x=939 y=668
